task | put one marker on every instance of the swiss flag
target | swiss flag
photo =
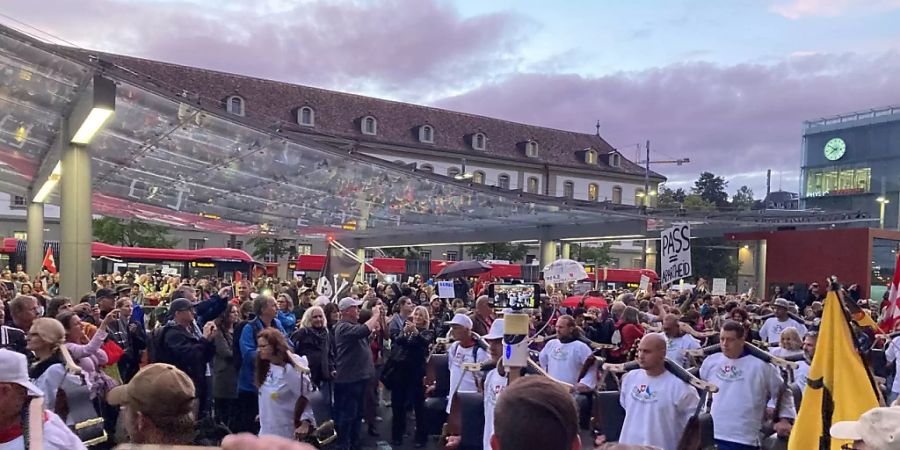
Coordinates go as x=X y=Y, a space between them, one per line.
x=891 y=317
x=49 y=262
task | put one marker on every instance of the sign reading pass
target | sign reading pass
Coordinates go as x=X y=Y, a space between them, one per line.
x=675 y=251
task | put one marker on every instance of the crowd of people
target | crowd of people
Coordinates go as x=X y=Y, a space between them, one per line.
x=194 y=360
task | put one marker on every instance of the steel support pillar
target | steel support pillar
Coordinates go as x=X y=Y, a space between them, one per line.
x=548 y=252
x=35 y=246
x=761 y=286
x=76 y=222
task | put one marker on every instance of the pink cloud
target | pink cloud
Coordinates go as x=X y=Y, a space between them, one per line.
x=798 y=9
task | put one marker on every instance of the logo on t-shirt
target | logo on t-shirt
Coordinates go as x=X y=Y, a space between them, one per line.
x=559 y=354
x=671 y=345
x=729 y=372
x=643 y=393
x=494 y=393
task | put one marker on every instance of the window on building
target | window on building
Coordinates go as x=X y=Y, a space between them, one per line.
x=593 y=192
x=306 y=116
x=369 y=125
x=614 y=160
x=531 y=149
x=20 y=235
x=569 y=189
x=838 y=181
x=614 y=263
x=478 y=177
x=196 y=244
x=638 y=197
x=18 y=202
x=452 y=256
x=479 y=141
x=370 y=253
x=426 y=168
x=590 y=157
x=235 y=105
x=452 y=172
x=235 y=244
x=425 y=255
x=617 y=195
x=304 y=249
x=532 y=185
x=637 y=263
x=270 y=258
x=503 y=181
x=426 y=134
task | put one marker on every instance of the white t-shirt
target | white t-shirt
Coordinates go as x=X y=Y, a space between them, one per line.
x=656 y=409
x=891 y=353
x=801 y=375
x=746 y=385
x=564 y=361
x=494 y=383
x=772 y=328
x=456 y=357
x=277 y=397
x=782 y=352
x=57 y=436
x=676 y=348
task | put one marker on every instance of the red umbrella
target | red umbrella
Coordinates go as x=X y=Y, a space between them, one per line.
x=589 y=302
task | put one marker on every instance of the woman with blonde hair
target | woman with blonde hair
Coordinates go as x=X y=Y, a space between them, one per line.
x=410 y=350
x=789 y=343
x=283 y=384
x=46 y=339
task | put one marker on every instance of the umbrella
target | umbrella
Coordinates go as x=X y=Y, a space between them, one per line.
x=564 y=271
x=589 y=302
x=464 y=269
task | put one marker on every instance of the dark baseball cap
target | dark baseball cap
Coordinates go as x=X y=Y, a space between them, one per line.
x=105 y=292
x=181 y=304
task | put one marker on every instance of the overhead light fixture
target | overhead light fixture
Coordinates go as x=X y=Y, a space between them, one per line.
x=48 y=185
x=96 y=109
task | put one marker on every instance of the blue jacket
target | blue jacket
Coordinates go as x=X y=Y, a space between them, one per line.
x=248 y=353
x=288 y=321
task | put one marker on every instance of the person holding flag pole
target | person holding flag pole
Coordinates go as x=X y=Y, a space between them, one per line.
x=49 y=261
x=840 y=386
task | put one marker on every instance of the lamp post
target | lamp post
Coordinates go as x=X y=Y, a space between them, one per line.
x=883 y=201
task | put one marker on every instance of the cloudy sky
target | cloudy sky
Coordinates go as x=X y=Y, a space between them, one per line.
x=725 y=83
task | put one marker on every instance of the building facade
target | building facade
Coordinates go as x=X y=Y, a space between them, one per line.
x=462 y=146
x=852 y=162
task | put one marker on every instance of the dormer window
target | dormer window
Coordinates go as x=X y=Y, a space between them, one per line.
x=369 y=126
x=615 y=160
x=590 y=156
x=426 y=134
x=306 y=117
x=479 y=141
x=531 y=149
x=235 y=105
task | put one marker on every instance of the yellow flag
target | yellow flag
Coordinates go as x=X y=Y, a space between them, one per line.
x=839 y=386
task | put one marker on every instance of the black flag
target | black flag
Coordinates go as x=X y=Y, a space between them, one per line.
x=338 y=273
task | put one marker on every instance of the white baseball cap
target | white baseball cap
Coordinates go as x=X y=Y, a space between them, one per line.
x=460 y=320
x=322 y=300
x=878 y=428
x=496 y=330
x=14 y=369
x=348 y=302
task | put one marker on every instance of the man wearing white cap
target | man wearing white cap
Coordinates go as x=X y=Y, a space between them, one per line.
x=496 y=380
x=17 y=395
x=463 y=351
x=876 y=429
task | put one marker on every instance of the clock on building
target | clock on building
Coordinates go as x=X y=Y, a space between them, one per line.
x=835 y=149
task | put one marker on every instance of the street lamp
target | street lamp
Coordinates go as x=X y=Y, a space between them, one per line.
x=883 y=200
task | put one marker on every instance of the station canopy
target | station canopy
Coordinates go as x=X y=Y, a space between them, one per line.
x=167 y=158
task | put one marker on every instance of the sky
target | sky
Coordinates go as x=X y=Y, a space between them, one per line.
x=725 y=83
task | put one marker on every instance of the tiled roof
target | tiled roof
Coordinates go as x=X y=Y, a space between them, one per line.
x=339 y=114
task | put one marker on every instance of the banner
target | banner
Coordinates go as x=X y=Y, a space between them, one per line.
x=719 y=286
x=675 y=253
x=338 y=273
x=445 y=289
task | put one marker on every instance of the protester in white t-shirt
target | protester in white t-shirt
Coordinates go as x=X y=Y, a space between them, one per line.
x=677 y=341
x=465 y=350
x=282 y=385
x=657 y=404
x=801 y=374
x=17 y=394
x=495 y=381
x=789 y=344
x=891 y=353
x=564 y=357
x=773 y=326
x=746 y=385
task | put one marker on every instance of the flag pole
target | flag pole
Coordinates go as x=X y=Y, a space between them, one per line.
x=350 y=253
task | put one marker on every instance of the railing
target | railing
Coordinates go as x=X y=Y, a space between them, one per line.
x=852 y=117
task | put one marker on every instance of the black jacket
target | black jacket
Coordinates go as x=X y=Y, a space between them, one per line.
x=12 y=338
x=414 y=350
x=318 y=348
x=188 y=351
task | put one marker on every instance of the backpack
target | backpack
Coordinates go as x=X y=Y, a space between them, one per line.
x=237 y=355
x=156 y=346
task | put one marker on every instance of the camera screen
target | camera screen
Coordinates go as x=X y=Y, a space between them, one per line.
x=516 y=296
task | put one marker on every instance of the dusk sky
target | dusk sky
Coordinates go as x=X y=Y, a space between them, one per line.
x=724 y=83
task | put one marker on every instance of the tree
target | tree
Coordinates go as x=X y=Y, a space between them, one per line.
x=743 y=198
x=694 y=202
x=714 y=258
x=669 y=198
x=712 y=189
x=264 y=246
x=498 y=250
x=401 y=252
x=598 y=255
x=132 y=233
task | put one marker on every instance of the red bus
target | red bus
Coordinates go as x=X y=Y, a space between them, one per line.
x=218 y=262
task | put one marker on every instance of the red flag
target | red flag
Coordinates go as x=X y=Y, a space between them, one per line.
x=49 y=262
x=891 y=316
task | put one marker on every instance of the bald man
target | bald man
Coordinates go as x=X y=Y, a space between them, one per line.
x=677 y=341
x=652 y=395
